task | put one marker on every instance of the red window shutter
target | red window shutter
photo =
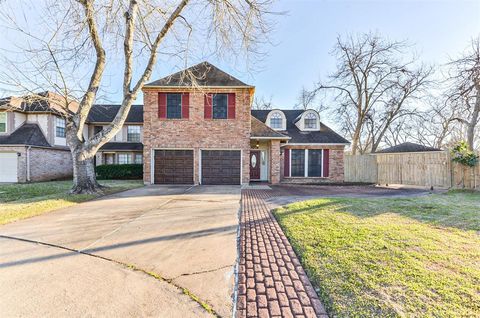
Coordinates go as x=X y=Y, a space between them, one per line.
x=326 y=165
x=185 y=105
x=286 y=163
x=231 y=106
x=162 y=105
x=207 y=110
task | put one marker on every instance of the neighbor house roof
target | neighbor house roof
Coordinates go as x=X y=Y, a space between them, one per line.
x=202 y=74
x=122 y=146
x=408 y=147
x=37 y=103
x=28 y=134
x=103 y=113
x=261 y=130
x=323 y=136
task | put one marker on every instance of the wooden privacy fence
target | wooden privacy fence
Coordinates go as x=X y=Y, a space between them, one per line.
x=360 y=168
x=426 y=169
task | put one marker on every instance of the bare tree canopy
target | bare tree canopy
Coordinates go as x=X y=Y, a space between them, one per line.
x=261 y=103
x=464 y=91
x=374 y=86
x=69 y=47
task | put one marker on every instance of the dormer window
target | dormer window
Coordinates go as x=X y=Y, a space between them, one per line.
x=276 y=121
x=310 y=121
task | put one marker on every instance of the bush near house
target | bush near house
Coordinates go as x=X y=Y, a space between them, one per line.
x=120 y=172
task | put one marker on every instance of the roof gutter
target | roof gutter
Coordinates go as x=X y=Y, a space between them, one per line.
x=315 y=143
x=267 y=138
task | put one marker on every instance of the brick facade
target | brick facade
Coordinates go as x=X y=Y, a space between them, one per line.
x=196 y=132
x=50 y=164
x=275 y=160
x=336 y=172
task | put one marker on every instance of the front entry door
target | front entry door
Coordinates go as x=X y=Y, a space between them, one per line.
x=254 y=165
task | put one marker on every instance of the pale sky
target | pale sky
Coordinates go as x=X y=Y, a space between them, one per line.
x=305 y=35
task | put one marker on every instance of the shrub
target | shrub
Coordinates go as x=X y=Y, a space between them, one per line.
x=129 y=171
x=464 y=156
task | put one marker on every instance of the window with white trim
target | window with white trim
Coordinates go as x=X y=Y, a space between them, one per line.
x=315 y=162
x=133 y=133
x=297 y=163
x=124 y=158
x=138 y=158
x=310 y=121
x=276 y=121
x=3 y=122
x=60 y=127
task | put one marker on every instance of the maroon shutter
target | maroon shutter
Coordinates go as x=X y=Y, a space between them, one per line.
x=185 y=105
x=162 y=105
x=326 y=165
x=286 y=163
x=231 y=106
x=207 y=109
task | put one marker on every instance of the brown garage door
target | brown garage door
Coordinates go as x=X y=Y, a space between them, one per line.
x=173 y=167
x=221 y=166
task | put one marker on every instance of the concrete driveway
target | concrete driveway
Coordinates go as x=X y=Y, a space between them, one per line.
x=145 y=252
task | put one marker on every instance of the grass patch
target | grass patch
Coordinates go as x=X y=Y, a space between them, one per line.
x=409 y=257
x=20 y=201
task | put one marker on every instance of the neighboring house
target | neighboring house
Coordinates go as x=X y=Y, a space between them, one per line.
x=197 y=127
x=126 y=147
x=32 y=140
x=407 y=147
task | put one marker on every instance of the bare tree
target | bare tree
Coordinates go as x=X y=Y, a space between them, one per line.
x=464 y=91
x=68 y=46
x=373 y=87
x=262 y=103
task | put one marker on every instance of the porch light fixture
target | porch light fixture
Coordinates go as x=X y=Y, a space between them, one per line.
x=258 y=144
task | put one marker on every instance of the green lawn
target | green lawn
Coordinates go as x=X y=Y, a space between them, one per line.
x=409 y=257
x=20 y=201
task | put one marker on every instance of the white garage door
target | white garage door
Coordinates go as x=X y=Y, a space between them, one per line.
x=8 y=167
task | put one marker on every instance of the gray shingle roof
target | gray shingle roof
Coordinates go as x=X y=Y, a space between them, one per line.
x=259 y=129
x=103 y=113
x=408 y=147
x=202 y=74
x=122 y=146
x=28 y=134
x=324 y=136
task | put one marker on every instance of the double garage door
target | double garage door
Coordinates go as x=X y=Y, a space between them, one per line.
x=215 y=167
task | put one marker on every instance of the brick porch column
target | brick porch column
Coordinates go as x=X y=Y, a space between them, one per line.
x=275 y=161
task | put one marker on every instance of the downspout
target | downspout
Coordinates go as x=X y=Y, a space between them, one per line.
x=28 y=163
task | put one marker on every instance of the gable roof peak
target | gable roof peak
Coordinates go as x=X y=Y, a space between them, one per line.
x=202 y=74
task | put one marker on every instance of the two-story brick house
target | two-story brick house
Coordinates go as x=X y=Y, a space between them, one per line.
x=195 y=127
x=199 y=129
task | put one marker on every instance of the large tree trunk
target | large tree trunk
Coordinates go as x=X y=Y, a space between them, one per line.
x=473 y=121
x=84 y=178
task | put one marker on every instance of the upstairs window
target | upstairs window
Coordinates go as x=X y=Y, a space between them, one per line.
x=3 y=122
x=220 y=106
x=276 y=121
x=60 y=127
x=133 y=133
x=310 y=121
x=174 y=106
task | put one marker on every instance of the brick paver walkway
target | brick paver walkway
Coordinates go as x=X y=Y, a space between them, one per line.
x=272 y=283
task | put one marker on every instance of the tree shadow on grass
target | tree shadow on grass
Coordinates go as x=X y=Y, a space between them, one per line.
x=443 y=210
